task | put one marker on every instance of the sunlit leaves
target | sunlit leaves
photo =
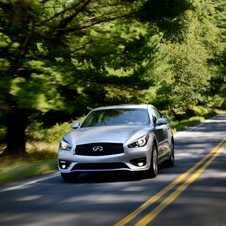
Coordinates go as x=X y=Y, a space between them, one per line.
x=189 y=53
x=38 y=93
x=75 y=55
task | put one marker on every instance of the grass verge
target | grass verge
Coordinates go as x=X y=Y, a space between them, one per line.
x=42 y=157
x=183 y=124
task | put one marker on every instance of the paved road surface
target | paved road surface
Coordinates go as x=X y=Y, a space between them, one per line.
x=193 y=192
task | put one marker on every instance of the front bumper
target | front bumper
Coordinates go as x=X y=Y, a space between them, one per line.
x=132 y=159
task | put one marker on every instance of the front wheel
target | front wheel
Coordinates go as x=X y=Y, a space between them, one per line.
x=170 y=161
x=153 y=170
x=70 y=176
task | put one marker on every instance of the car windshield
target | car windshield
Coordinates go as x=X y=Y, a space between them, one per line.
x=112 y=117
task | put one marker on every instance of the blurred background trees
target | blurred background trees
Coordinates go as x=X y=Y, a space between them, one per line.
x=59 y=58
x=217 y=85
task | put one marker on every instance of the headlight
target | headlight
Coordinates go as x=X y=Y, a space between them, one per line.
x=64 y=145
x=141 y=142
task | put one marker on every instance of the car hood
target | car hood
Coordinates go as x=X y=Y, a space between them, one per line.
x=115 y=134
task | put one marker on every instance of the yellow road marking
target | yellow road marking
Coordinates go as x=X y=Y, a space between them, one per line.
x=149 y=217
x=165 y=190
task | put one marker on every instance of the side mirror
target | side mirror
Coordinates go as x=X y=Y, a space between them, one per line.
x=161 y=121
x=75 y=125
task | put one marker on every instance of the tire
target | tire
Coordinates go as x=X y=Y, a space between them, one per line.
x=153 y=170
x=70 y=176
x=170 y=161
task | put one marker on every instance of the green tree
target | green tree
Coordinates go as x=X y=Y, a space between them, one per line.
x=218 y=63
x=56 y=53
x=190 y=51
x=220 y=17
x=54 y=49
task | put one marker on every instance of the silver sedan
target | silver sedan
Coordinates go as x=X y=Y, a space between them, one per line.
x=115 y=138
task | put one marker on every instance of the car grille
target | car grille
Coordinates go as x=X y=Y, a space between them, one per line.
x=101 y=166
x=107 y=149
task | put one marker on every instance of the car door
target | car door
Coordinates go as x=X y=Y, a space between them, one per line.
x=161 y=133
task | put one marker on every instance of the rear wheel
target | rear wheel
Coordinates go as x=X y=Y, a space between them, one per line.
x=70 y=176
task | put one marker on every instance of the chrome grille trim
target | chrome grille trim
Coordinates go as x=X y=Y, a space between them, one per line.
x=107 y=149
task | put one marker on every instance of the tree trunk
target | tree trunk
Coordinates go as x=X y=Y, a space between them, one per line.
x=15 y=136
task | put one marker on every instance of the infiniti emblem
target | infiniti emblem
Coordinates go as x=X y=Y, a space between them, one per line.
x=98 y=148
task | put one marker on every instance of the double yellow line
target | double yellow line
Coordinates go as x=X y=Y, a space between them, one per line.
x=150 y=216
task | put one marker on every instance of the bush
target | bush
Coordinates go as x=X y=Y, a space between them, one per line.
x=197 y=110
x=223 y=106
x=56 y=133
x=215 y=100
x=37 y=132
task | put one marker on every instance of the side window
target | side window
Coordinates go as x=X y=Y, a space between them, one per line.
x=158 y=113
x=154 y=115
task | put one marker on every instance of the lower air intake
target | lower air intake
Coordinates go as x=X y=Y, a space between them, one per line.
x=100 y=166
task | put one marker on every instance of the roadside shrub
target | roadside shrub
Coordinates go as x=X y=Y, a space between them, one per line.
x=215 y=100
x=197 y=110
x=223 y=106
x=168 y=115
x=37 y=132
x=56 y=133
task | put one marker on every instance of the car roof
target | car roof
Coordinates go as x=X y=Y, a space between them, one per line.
x=124 y=106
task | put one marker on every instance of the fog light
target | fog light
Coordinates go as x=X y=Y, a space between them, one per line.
x=64 y=164
x=139 y=162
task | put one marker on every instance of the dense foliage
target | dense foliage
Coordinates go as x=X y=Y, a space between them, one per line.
x=61 y=58
x=218 y=80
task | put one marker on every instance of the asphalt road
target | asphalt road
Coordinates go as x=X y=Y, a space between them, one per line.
x=193 y=192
